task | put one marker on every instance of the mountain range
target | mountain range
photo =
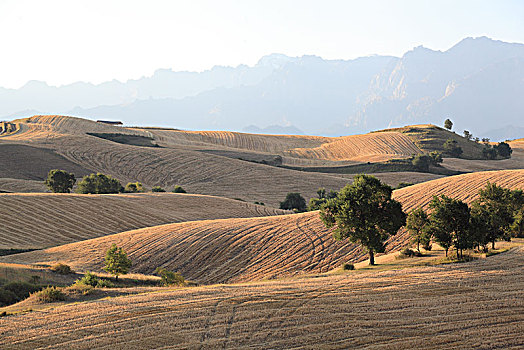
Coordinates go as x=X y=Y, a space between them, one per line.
x=478 y=84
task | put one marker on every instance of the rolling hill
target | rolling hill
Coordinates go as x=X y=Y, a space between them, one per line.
x=44 y=220
x=237 y=250
x=455 y=306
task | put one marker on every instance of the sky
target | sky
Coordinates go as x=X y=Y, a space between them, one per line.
x=61 y=42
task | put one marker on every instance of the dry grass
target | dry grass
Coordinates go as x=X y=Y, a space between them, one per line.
x=234 y=250
x=43 y=220
x=459 y=306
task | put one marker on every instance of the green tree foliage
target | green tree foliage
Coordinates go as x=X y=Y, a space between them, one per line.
x=452 y=148
x=417 y=224
x=134 y=187
x=448 y=124
x=294 y=201
x=449 y=224
x=60 y=181
x=517 y=206
x=178 y=189
x=169 y=277
x=117 y=262
x=421 y=162
x=365 y=213
x=503 y=149
x=98 y=183
x=468 y=135
x=323 y=196
x=157 y=189
x=496 y=203
x=489 y=152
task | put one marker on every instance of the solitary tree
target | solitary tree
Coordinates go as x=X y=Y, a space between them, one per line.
x=178 y=189
x=468 y=135
x=117 y=262
x=365 y=213
x=60 y=181
x=448 y=124
x=417 y=224
x=294 y=201
x=449 y=223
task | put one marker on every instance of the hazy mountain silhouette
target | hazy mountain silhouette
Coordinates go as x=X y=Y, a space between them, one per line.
x=478 y=83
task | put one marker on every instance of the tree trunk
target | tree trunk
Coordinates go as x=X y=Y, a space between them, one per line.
x=447 y=252
x=418 y=246
x=116 y=278
x=371 y=258
x=493 y=244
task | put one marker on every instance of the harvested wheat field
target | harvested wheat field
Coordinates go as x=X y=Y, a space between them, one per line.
x=238 y=250
x=456 y=306
x=44 y=220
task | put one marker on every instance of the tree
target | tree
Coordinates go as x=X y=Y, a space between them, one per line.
x=503 y=149
x=316 y=203
x=117 y=262
x=489 y=152
x=294 y=201
x=452 y=148
x=417 y=224
x=468 y=135
x=449 y=224
x=98 y=183
x=60 y=181
x=436 y=158
x=170 y=277
x=517 y=205
x=479 y=225
x=496 y=202
x=421 y=162
x=448 y=124
x=365 y=213
x=485 y=140
x=134 y=187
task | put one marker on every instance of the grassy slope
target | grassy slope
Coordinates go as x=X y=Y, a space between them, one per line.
x=235 y=250
x=460 y=306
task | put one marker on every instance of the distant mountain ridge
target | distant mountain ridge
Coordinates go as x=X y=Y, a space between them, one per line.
x=478 y=83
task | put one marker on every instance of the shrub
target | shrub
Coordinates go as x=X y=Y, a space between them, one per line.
x=78 y=289
x=133 y=187
x=170 y=277
x=104 y=283
x=348 y=266
x=421 y=162
x=260 y=203
x=178 y=189
x=49 y=295
x=157 y=189
x=294 y=201
x=60 y=181
x=89 y=279
x=408 y=253
x=62 y=269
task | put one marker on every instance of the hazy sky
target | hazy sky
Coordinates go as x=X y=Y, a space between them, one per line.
x=65 y=41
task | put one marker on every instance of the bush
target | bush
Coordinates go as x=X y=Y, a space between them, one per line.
x=421 y=162
x=133 y=187
x=408 y=253
x=157 y=189
x=49 y=295
x=178 y=189
x=348 y=266
x=89 y=279
x=62 y=269
x=104 y=283
x=170 y=277
x=294 y=201
x=260 y=203
x=98 y=184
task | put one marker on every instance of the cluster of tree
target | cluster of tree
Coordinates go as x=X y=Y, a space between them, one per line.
x=60 y=181
x=323 y=196
x=452 y=148
x=365 y=213
x=496 y=214
x=502 y=150
x=423 y=161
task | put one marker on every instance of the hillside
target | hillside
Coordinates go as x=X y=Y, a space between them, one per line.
x=234 y=250
x=44 y=220
x=455 y=306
